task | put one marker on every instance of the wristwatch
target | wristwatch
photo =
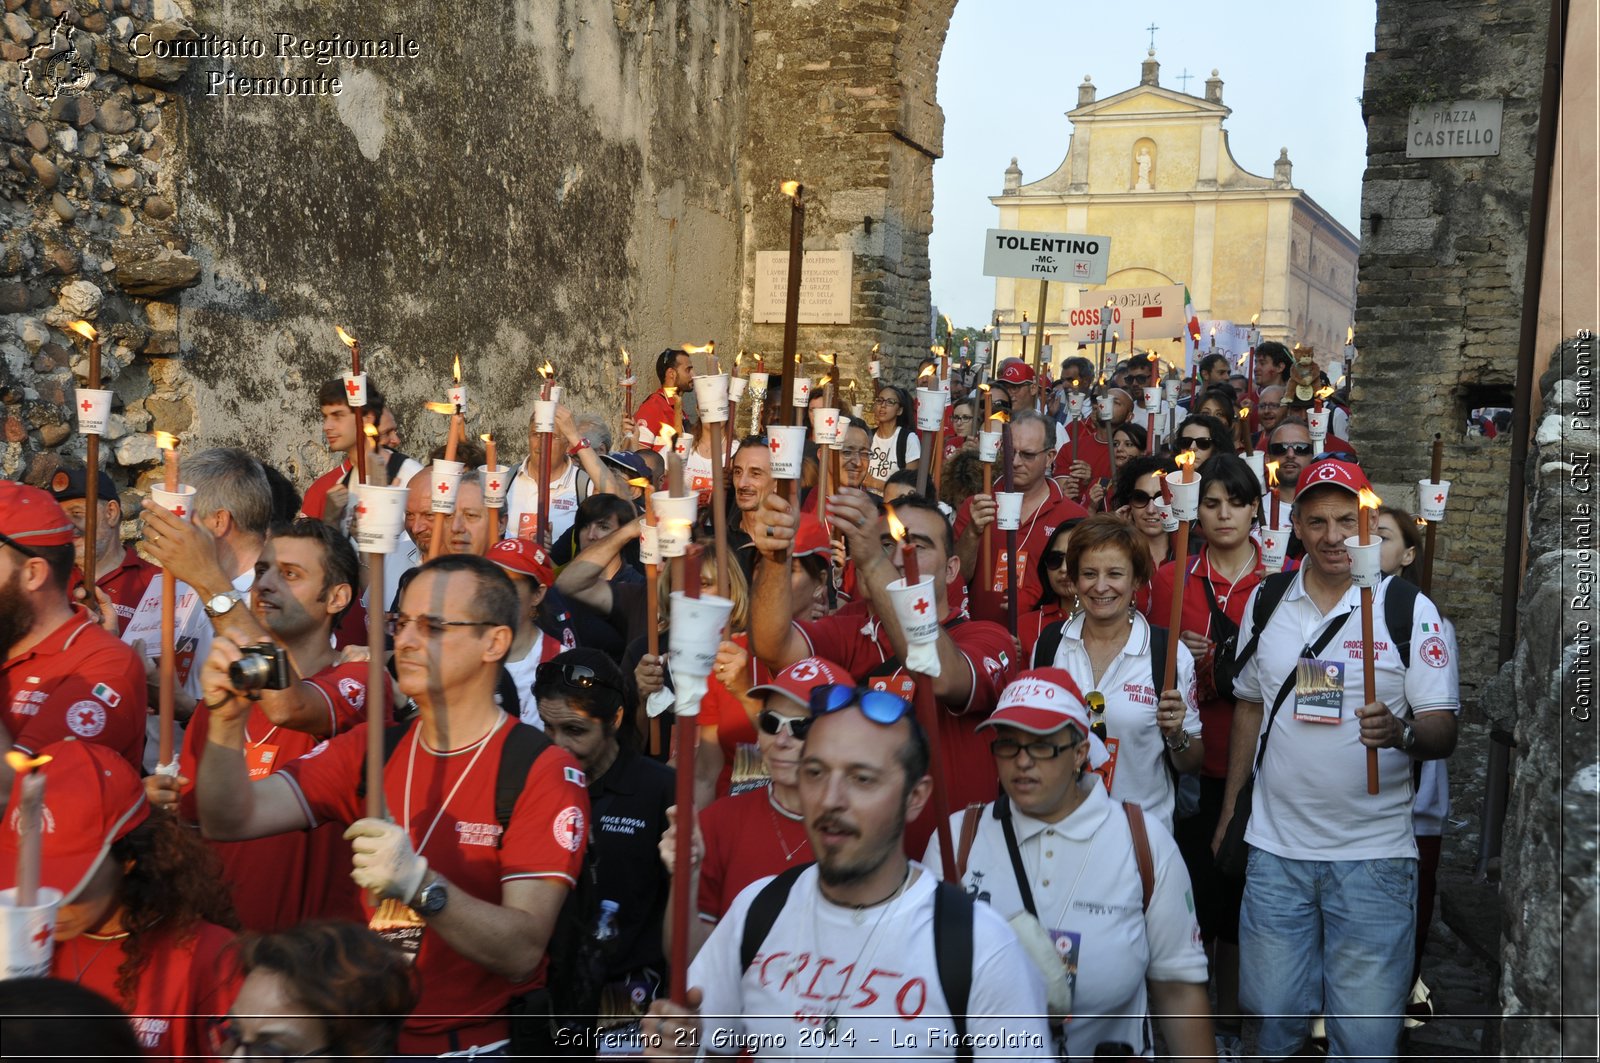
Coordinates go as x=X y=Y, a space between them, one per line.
x=219 y=604
x=430 y=899
x=578 y=448
x=1408 y=736
x=1179 y=744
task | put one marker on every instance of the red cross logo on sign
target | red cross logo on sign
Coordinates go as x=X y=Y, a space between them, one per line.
x=351 y=387
x=921 y=606
x=86 y=405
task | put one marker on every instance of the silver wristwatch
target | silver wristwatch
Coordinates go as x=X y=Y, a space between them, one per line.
x=218 y=604
x=1179 y=744
x=1408 y=736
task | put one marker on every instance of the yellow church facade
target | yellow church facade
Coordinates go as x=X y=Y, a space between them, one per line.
x=1150 y=168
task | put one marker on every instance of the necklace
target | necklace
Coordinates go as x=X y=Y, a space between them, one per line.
x=106 y=941
x=411 y=763
x=773 y=808
x=830 y=1025
x=1233 y=581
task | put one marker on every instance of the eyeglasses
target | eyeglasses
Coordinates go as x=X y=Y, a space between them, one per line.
x=223 y=1033
x=432 y=627
x=1280 y=449
x=1008 y=748
x=852 y=453
x=774 y=724
x=573 y=675
x=1340 y=455
x=1095 y=702
x=886 y=400
x=961 y=417
x=1139 y=499
x=1054 y=559
x=879 y=706
x=1198 y=442
x=1031 y=455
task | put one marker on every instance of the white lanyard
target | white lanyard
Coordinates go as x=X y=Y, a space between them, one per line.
x=411 y=763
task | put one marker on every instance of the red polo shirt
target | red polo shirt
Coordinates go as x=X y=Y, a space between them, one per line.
x=989 y=603
x=747 y=837
x=316 y=495
x=124 y=585
x=80 y=681
x=654 y=412
x=1089 y=449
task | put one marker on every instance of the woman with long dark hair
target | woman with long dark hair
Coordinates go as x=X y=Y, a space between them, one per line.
x=895 y=445
x=1059 y=599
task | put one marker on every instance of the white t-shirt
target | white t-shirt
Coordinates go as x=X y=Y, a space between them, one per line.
x=882 y=461
x=1086 y=887
x=874 y=971
x=522 y=673
x=1138 y=769
x=697 y=471
x=1311 y=800
x=1431 y=808
x=522 y=502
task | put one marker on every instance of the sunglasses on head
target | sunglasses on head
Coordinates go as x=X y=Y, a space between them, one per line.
x=879 y=706
x=773 y=723
x=1280 y=449
x=579 y=676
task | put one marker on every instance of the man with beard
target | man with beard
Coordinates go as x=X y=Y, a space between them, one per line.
x=1270 y=413
x=62 y=675
x=306 y=578
x=675 y=370
x=120 y=573
x=851 y=951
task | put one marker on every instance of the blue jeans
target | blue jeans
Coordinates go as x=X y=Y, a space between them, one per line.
x=1332 y=938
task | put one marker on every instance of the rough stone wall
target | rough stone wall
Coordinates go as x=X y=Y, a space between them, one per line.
x=546 y=179
x=1440 y=286
x=1547 y=695
x=842 y=100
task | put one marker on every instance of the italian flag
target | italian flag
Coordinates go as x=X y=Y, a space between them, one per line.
x=1194 y=319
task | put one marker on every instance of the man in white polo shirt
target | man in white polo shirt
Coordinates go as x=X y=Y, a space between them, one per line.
x=1328 y=915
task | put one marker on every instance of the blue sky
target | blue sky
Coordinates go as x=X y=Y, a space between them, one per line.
x=1010 y=70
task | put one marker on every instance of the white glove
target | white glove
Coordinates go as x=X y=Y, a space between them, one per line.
x=383 y=859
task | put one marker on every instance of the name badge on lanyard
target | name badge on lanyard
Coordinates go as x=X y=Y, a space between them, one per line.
x=1318 y=691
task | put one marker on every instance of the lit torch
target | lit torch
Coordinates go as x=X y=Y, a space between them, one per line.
x=30 y=824
x=166 y=704
x=91 y=480
x=1368 y=503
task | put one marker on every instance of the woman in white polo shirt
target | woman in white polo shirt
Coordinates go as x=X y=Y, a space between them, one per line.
x=1102 y=890
x=1118 y=659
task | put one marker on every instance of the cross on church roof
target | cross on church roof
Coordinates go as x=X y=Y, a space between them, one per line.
x=1185 y=77
x=1152 y=28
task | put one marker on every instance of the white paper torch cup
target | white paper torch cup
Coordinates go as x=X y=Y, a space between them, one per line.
x=1258 y=465
x=355 y=388
x=788 y=450
x=988 y=446
x=736 y=388
x=649 y=545
x=458 y=396
x=1274 y=548
x=557 y=393
x=712 y=396
x=875 y=369
x=825 y=426
x=1152 y=400
x=758 y=385
x=444 y=484
x=544 y=415
x=1169 y=519
x=1169 y=389
x=1075 y=403
x=696 y=632
x=1317 y=425
x=1365 y=567
x=1008 y=510
x=179 y=502
x=674 y=521
x=1185 y=496
x=1431 y=499
x=858 y=410
x=27 y=935
x=380 y=518
x=1104 y=406
x=917 y=610
x=802 y=392
x=930 y=409
x=94 y=411
x=495 y=483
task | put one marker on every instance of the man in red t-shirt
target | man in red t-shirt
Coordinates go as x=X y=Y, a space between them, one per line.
x=120 y=573
x=675 y=369
x=1085 y=456
x=306 y=578
x=328 y=497
x=61 y=674
x=474 y=899
x=1045 y=507
x=975 y=656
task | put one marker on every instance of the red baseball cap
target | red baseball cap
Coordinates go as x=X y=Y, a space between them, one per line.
x=524 y=557
x=812 y=538
x=798 y=680
x=1042 y=702
x=1333 y=473
x=92 y=797
x=30 y=517
x=1016 y=371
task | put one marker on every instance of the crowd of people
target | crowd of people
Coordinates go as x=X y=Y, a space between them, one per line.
x=1134 y=857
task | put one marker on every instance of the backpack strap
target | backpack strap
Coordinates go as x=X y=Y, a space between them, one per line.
x=396 y=462
x=764 y=909
x=1141 y=850
x=523 y=746
x=1268 y=594
x=1158 y=659
x=970 y=821
x=1400 y=613
x=952 y=948
x=1049 y=641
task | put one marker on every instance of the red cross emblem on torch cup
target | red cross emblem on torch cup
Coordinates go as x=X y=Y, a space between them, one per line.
x=42 y=936
x=351 y=388
x=921 y=606
x=178 y=510
x=86 y=405
x=361 y=510
x=775 y=445
x=1439 y=499
x=494 y=485
x=828 y=421
x=444 y=487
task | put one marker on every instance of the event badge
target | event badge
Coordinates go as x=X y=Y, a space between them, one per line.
x=1002 y=570
x=901 y=685
x=1319 y=691
x=397 y=924
x=260 y=760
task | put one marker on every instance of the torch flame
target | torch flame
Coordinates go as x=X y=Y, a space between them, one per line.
x=790 y=188
x=927 y=370
x=896 y=529
x=1272 y=474
x=704 y=348
x=624 y=359
x=947 y=326
x=875 y=348
x=1213 y=332
x=666 y=434
x=641 y=482
x=1253 y=319
x=1349 y=335
x=670 y=392
x=1422 y=522
x=984 y=387
x=1242 y=358
x=18 y=761
x=84 y=329
x=440 y=407
x=345 y=337
x=830 y=359
x=824 y=381
x=1002 y=416
x=1368 y=500
x=547 y=370
x=1324 y=392
x=166 y=441
x=487 y=437
x=455 y=369
x=738 y=360
x=371 y=430
x=1244 y=412
x=1185 y=460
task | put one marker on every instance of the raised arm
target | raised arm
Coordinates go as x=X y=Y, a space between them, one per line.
x=583 y=579
x=773 y=637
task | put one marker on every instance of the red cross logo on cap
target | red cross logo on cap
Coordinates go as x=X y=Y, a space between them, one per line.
x=1330 y=472
x=351 y=387
x=804 y=672
x=921 y=606
x=86 y=405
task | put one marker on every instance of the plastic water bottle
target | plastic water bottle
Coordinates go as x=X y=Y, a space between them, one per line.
x=606 y=928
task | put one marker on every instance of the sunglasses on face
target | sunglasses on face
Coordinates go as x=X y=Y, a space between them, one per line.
x=1280 y=449
x=1054 y=559
x=773 y=723
x=879 y=706
x=1140 y=499
x=1198 y=442
x=579 y=676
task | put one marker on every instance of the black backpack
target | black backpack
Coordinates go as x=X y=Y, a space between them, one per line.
x=1050 y=641
x=576 y=965
x=1399 y=614
x=952 y=941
